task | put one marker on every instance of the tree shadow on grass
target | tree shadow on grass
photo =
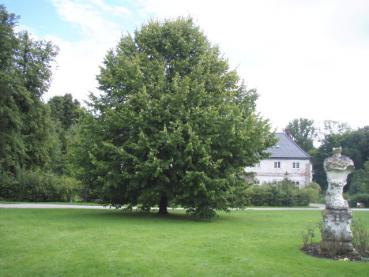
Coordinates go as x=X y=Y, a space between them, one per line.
x=119 y=214
x=116 y=214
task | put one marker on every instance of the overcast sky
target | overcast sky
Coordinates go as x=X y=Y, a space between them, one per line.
x=305 y=58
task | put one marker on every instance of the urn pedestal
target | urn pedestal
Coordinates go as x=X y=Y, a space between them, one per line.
x=336 y=231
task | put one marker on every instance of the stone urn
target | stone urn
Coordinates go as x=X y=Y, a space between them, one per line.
x=336 y=231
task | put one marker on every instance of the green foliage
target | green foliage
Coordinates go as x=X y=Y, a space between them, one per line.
x=12 y=149
x=65 y=110
x=202 y=213
x=303 y=132
x=25 y=73
x=34 y=59
x=8 y=41
x=308 y=236
x=34 y=136
x=360 y=236
x=238 y=196
x=313 y=192
x=360 y=180
x=359 y=198
x=284 y=193
x=355 y=144
x=173 y=122
x=66 y=114
x=6 y=186
x=39 y=137
x=82 y=154
x=29 y=185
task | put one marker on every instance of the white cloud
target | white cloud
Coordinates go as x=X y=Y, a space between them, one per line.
x=115 y=10
x=78 y=61
x=306 y=58
x=88 y=16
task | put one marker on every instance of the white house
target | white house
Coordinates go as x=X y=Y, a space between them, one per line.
x=287 y=160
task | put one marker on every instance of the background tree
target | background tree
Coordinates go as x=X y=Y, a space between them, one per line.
x=12 y=148
x=355 y=144
x=360 y=180
x=65 y=113
x=172 y=125
x=331 y=127
x=83 y=154
x=65 y=110
x=29 y=142
x=25 y=73
x=303 y=132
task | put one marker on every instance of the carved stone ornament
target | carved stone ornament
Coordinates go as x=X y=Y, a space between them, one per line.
x=337 y=167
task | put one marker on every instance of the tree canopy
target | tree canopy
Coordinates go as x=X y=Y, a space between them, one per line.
x=65 y=110
x=303 y=132
x=355 y=144
x=65 y=113
x=173 y=123
x=359 y=182
x=25 y=72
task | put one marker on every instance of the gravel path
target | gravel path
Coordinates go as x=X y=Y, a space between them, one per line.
x=96 y=207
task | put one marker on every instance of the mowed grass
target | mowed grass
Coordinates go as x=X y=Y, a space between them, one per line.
x=61 y=242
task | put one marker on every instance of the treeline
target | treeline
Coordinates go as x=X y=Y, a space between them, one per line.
x=354 y=143
x=34 y=136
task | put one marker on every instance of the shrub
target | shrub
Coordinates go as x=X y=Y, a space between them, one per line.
x=34 y=186
x=284 y=193
x=359 y=182
x=203 y=213
x=29 y=185
x=307 y=236
x=303 y=198
x=70 y=188
x=260 y=195
x=360 y=239
x=6 y=181
x=238 y=196
x=313 y=192
x=359 y=198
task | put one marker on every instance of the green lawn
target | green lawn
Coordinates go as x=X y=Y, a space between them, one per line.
x=41 y=242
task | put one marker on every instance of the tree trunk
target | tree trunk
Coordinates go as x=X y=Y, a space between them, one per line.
x=163 y=205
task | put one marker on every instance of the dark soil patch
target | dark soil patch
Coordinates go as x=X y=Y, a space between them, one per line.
x=314 y=250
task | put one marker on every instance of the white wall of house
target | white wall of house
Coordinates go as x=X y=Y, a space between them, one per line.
x=271 y=170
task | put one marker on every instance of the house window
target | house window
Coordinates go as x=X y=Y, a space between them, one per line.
x=296 y=165
x=277 y=164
